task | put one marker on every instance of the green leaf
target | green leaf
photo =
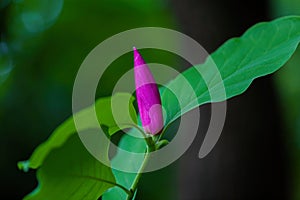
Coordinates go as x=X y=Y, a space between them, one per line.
x=116 y=113
x=261 y=50
x=61 y=163
x=105 y=117
x=70 y=172
x=130 y=144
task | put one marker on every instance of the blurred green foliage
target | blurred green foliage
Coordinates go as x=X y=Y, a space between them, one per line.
x=287 y=82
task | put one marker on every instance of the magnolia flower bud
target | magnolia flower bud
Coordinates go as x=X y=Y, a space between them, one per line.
x=148 y=97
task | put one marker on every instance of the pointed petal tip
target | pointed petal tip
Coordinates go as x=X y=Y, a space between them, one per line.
x=136 y=53
x=138 y=60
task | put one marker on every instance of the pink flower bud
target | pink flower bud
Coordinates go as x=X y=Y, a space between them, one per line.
x=148 y=97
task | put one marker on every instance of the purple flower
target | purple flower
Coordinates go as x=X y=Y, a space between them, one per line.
x=148 y=97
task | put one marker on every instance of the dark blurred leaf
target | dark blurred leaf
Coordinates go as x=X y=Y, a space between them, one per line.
x=6 y=63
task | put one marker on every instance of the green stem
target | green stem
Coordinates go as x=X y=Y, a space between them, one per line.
x=150 y=148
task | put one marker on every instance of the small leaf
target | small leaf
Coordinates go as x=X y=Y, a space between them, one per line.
x=116 y=113
x=161 y=144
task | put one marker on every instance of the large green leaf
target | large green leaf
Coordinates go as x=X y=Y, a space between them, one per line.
x=262 y=50
x=63 y=162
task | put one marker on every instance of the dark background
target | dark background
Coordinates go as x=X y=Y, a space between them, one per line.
x=44 y=42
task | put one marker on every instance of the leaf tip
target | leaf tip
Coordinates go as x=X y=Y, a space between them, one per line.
x=24 y=165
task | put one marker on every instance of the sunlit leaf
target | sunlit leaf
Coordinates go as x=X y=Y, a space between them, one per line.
x=261 y=50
